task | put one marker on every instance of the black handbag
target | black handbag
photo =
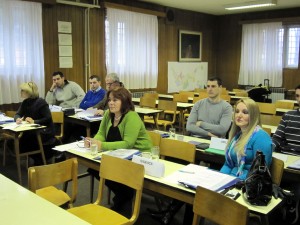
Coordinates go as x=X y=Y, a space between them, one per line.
x=258 y=184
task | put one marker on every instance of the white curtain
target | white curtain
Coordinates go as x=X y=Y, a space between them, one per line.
x=132 y=48
x=21 y=48
x=261 y=55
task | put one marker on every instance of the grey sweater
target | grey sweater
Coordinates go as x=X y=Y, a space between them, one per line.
x=216 y=118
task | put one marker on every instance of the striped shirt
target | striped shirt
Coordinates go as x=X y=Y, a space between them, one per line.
x=287 y=135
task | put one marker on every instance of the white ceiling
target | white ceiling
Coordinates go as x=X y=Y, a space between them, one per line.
x=216 y=7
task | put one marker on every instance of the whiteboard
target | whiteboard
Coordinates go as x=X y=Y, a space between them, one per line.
x=186 y=76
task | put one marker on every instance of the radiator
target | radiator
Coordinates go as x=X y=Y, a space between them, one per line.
x=277 y=94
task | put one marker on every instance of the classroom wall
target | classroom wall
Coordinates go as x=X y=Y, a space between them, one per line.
x=228 y=52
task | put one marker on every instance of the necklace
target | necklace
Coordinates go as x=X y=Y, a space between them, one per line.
x=117 y=118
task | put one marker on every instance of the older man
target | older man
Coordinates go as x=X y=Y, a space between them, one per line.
x=112 y=81
x=210 y=117
x=94 y=95
x=63 y=92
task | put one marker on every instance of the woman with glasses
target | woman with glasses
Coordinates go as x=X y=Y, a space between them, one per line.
x=35 y=110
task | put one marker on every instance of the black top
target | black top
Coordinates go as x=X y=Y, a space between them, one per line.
x=114 y=132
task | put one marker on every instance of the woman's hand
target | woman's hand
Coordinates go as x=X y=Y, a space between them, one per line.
x=19 y=120
x=29 y=120
x=99 y=112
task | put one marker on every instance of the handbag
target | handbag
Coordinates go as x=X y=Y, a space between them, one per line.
x=258 y=184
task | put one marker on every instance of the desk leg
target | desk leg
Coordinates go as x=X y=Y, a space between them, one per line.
x=38 y=135
x=88 y=131
x=17 y=152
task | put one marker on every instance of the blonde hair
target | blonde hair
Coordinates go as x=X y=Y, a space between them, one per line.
x=31 y=89
x=254 y=120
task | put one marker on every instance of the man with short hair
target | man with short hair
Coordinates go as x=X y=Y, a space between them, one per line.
x=111 y=81
x=64 y=93
x=94 y=95
x=286 y=139
x=210 y=117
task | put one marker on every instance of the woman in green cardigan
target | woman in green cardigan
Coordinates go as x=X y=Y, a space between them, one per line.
x=121 y=128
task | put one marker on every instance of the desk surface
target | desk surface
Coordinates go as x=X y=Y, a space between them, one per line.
x=21 y=206
x=159 y=185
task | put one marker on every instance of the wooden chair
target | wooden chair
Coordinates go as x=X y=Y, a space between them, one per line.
x=151 y=95
x=121 y=171
x=238 y=90
x=268 y=119
x=241 y=93
x=170 y=106
x=155 y=138
x=177 y=149
x=148 y=102
x=218 y=208
x=58 y=120
x=276 y=170
x=200 y=90
x=267 y=108
x=203 y=95
x=188 y=93
x=226 y=98
x=181 y=97
x=268 y=130
x=43 y=179
x=284 y=105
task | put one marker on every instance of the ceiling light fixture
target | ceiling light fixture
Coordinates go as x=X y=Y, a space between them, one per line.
x=251 y=4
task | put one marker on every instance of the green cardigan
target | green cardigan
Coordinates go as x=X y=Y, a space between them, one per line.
x=132 y=130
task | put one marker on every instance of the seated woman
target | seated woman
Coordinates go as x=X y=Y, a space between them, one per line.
x=121 y=128
x=35 y=110
x=245 y=137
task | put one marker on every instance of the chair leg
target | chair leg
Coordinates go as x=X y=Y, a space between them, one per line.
x=91 y=188
x=4 y=152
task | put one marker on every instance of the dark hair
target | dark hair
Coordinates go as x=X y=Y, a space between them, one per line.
x=125 y=96
x=58 y=73
x=216 y=79
x=298 y=87
x=95 y=76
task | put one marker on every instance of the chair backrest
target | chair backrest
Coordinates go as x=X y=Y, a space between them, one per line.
x=196 y=99
x=267 y=108
x=181 y=97
x=224 y=91
x=226 y=97
x=270 y=119
x=125 y=172
x=268 y=130
x=218 y=208
x=188 y=93
x=284 y=105
x=203 y=95
x=241 y=93
x=151 y=95
x=155 y=137
x=276 y=170
x=167 y=105
x=200 y=90
x=149 y=102
x=177 y=149
x=10 y=113
x=238 y=90
x=58 y=120
x=53 y=174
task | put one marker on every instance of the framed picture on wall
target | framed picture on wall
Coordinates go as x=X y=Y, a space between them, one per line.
x=190 y=46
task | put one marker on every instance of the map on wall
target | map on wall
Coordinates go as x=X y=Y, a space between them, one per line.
x=186 y=76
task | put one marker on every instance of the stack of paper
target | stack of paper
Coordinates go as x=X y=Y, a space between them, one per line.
x=193 y=175
x=123 y=153
x=5 y=119
x=89 y=115
x=295 y=165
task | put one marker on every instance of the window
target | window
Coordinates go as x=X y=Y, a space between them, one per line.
x=132 y=48
x=291 y=43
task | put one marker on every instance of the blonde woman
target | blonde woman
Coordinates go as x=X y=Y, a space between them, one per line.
x=245 y=138
x=34 y=109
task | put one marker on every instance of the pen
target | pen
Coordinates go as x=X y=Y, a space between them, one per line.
x=184 y=171
x=85 y=139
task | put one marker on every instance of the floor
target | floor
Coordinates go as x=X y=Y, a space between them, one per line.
x=83 y=195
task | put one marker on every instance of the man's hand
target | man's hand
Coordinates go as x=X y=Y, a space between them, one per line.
x=198 y=123
x=211 y=135
x=29 y=120
x=53 y=87
x=99 y=112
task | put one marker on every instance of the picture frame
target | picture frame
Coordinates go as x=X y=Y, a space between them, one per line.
x=190 y=46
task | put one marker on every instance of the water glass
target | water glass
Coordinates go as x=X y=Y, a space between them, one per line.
x=180 y=137
x=94 y=149
x=172 y=132
x=155 y=152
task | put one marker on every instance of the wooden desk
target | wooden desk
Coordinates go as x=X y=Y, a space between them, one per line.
x=87 y=124
x=176 y=191
x=148 y=112
x=17 y=133
x=21 y=206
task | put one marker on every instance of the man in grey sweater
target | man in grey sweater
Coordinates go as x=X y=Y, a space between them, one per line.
x=64 y=93
x=210 y=117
